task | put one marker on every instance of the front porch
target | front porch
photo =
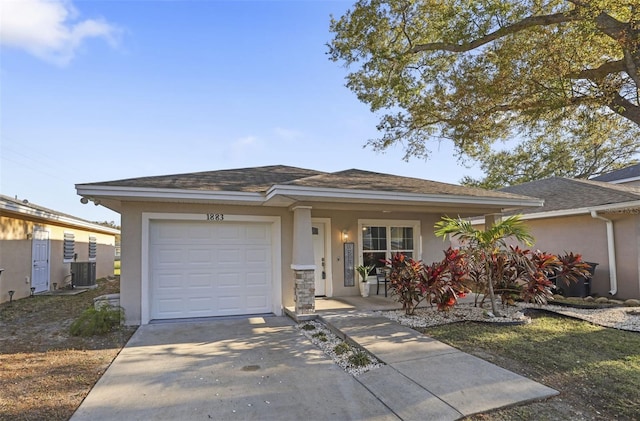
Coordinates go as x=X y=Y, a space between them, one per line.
x=326 y=304
x=355 y=303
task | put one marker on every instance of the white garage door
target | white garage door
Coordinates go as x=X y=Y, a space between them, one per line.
x=203 y=269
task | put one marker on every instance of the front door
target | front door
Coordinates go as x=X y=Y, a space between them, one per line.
x=40 y=253
x=317 y=231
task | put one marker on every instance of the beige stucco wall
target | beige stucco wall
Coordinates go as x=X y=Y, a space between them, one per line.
x=16 y=254
x=131 y=258
x=348 y=220
x=588 y=236
x=131 y=246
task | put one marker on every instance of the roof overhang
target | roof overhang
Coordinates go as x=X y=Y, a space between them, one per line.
x=632 y=207
x=328 y=198
x=53 y=217
x=286 y=195
x=112 y=197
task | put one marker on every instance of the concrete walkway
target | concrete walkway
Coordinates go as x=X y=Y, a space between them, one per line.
x=425 y=379
x=264 y=369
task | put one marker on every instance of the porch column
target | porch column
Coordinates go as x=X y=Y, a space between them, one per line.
x=302 y=261
x=490 y=219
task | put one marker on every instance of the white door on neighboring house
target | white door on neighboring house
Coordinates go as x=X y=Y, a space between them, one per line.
x=40 y=254
x=317 y=231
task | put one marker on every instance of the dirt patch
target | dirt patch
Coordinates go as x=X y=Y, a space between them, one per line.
x=45 y=373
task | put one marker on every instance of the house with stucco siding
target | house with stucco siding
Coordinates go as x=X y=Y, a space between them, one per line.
x=599 y=220
x=39 y=245
x=257 y=240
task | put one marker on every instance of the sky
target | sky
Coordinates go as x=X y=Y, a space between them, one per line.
x=96 y=91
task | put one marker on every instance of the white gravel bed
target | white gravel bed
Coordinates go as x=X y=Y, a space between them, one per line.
x=328 y=348
x=427 y=317
x=626 y=318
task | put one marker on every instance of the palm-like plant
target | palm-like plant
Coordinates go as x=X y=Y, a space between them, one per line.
x=363 y=271
x=483 y=245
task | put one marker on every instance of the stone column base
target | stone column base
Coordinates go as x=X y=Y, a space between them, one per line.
x=304 y=293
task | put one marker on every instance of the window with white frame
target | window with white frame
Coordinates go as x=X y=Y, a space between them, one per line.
x=93 y=248
x=380 y=240
x=68 y=247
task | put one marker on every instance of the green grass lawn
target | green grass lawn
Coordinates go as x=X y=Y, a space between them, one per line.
x=591 y=364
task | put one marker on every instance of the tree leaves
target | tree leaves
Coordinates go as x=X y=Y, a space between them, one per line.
x=477 y=72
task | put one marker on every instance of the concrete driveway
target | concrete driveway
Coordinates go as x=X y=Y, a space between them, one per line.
x=256 y=368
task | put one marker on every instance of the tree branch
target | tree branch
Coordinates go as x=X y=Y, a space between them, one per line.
x=600 y=72
x=525 y=23
x=620 y=105
x=611 y=26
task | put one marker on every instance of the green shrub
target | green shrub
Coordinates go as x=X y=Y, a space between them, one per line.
x=341 y=348
x=360 y=359
x=97 y=322
x=321 y=336
x=308 y=326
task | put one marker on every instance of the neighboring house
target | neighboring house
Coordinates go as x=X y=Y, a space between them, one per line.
x=599 y=220
x=256 y=240
x=629 y=176
x=38 y=245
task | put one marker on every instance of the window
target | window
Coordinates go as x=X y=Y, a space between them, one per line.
x=93 y=248
x=69 y=247
x=382 y=239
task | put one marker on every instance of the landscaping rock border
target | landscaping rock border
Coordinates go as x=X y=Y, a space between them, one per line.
x=327 y=346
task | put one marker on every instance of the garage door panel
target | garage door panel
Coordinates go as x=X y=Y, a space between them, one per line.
x=199 y=256
x=228 y=233
x=256 y=301
x=203 y=269
x=228 y=280
x=258 y=234
x=169 y=306
x=259 y=256
x=257 y=279
x=197 y=305
x=231 y=256
x=166 y=256
x=232 y=304
x=200 y=281
x=169 y=281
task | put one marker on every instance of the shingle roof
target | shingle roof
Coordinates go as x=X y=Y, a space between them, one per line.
x=622 y=174
x=354 y=179
x=261 y=179
x=564 y=193
x=257 y=180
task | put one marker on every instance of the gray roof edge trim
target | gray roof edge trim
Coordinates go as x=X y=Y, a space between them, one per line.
x=154 y=193
x=286 y=190
x=622 y=180
x=577 y=211
x=55 y=217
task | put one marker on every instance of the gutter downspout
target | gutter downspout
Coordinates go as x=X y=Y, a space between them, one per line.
x=611 y=248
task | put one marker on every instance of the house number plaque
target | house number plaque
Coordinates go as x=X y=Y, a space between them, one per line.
x=349 y=254
x=216 y=217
